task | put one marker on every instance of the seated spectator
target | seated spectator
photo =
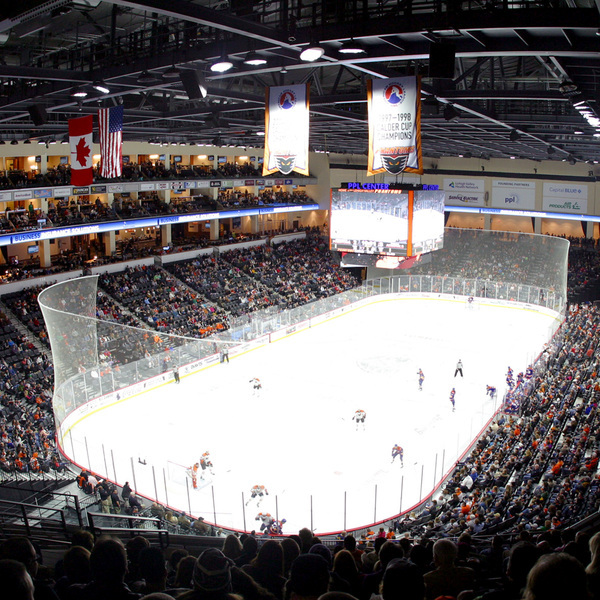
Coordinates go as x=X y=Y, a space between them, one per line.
x=211 y=577
x=309 y=578
x=593 y=569
x=76 y=565
x=447 y=579
x=402 y=579
x=152 y=570
x=16 y=580
x=267 y=568
x=22 y=550
x=555 y=577
x=108 y=563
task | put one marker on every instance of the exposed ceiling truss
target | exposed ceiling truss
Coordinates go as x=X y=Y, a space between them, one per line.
x=521 y=70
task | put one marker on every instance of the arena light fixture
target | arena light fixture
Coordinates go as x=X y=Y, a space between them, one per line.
x=171 y=73
x=311 y=53
x=222 y=65
x=79 y=92
x=254 y=59
x=352 y=47
x=514 y=135
x=101 y=87
x=146 y=78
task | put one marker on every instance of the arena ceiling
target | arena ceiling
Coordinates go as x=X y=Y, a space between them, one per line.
x=526 y=80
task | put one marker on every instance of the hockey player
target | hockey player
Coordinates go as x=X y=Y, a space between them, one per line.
x=510 y=382
x=266 y=521
x=276 y=527
x=452 y=394
x=490 y=391
x=359 y=417
x=176 y=374
x=256 y=385
x=193 y=473
x=398 y=451
x=257 y=491
x=206 y=463
x=459 y=368
x=421 y=379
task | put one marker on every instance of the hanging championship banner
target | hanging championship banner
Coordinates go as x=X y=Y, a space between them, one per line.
x=394 y=125
x=286 y=129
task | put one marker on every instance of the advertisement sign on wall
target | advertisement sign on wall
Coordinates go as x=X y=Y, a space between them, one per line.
x=513 y=194
x=565 y=197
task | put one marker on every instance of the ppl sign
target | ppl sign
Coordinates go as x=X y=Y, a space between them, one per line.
x=389 y=186
x=368 y=186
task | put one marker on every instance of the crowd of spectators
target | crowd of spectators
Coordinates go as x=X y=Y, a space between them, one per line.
x=146 y=171
x=534 y=471
x=63 y=212
x=305 y=567
x=232 y=199
x=161 y=301
x=498 y=256
x=26 y=421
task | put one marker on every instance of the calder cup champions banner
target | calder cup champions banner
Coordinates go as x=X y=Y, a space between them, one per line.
x=394 y=125
x=286 y=129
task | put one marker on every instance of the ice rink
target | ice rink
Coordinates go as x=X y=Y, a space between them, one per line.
x=297 y=437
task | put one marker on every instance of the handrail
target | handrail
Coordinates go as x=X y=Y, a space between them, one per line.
x=27 y=519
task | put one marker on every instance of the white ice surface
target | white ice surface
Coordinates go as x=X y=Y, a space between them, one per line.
x=297 y=437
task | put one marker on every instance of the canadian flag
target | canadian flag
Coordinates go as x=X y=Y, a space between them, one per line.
x=80 y=140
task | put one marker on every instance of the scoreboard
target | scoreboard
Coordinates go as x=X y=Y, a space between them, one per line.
x=386 y=221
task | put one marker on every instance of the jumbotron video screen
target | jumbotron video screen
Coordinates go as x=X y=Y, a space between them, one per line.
x=387 y=223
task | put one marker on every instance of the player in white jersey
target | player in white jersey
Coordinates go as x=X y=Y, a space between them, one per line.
x=256 y=385
x=257 y=491
x=266 y=520
x=206 y=464
x=359 y=417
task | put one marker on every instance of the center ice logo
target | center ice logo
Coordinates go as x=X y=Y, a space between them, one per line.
x=394 y=94
x=287 y=99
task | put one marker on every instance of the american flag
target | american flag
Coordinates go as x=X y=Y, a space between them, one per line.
x=111 y=140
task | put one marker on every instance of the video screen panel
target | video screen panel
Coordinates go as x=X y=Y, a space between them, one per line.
x=428 y=221
x=386 y=222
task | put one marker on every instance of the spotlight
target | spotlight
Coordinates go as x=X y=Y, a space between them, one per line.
x=568 y=88
x=254 y=59
x=78 y=93
x=27 y=142
x=146 y=78
x=14 y=142
x=222 y=65
x=514 y=135
x=312 y=53
x=171 y=73
x=101 y=87
x=351 y=47
x=551 y=150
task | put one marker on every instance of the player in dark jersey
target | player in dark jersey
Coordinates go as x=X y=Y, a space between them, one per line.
x=398 y=451
x=421 y=379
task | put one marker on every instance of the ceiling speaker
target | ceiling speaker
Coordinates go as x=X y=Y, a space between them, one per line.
x=441 y=60
x=38 y=114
